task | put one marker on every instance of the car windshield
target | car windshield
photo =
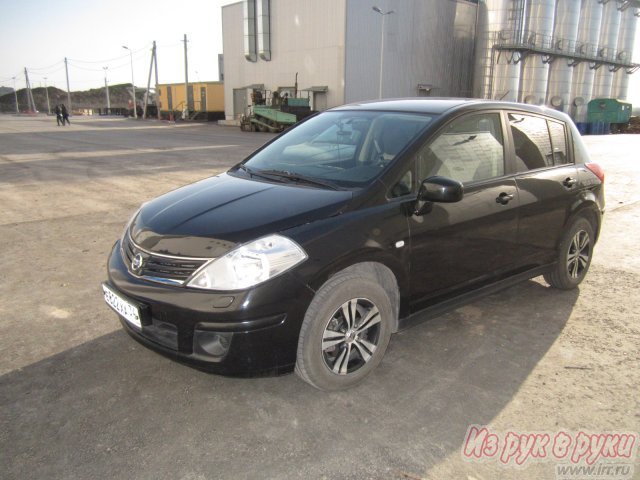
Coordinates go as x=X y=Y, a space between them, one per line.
x=342 y=148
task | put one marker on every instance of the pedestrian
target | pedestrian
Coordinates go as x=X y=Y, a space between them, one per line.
x=58 y=111
x=65 y=114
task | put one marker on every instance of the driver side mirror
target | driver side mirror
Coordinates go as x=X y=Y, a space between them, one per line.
x=441 y=189
x=438 y=190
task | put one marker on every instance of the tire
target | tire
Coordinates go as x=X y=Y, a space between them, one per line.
x=337 y=314
x=574 y=256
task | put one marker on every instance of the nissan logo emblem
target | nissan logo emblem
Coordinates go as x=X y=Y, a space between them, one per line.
x=137 y=262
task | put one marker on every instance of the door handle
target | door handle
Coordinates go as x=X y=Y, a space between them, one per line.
x=569 y=182
x=504 y=198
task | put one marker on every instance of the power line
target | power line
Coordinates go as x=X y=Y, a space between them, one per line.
x=51 y=72
x=97 y=69
x=59 y=62
x=146 y=47
x=73 y=63
x=114 y=64
x=170 y=45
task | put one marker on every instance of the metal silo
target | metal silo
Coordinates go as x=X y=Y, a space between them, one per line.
x=538 y=32
x=497 y=72
x=587 y=44
x=607 y=49
x=626 y=38
x=565 y=33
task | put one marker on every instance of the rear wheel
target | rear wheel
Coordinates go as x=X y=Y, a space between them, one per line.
x=345 y=332
x=574 y=256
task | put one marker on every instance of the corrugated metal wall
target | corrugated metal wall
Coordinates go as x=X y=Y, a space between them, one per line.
x=427 y=42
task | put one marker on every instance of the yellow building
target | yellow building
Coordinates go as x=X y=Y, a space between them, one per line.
x=205 y=96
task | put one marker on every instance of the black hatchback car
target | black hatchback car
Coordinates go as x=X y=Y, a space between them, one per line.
x=353 y=225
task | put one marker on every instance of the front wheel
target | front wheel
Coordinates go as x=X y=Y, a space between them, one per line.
x=574 y=256
x=345 y=332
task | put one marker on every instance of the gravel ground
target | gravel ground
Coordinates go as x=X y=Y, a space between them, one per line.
x=80 y=399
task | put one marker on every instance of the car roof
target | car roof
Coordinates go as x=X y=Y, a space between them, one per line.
x=439 y=106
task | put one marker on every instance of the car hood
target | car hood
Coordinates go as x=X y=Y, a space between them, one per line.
x=209 y=218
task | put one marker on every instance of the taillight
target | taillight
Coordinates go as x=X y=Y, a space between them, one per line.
x=596 y=170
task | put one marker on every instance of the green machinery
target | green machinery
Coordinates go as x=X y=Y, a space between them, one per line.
x=265 y=118
x=273 y=114
x=609 y=114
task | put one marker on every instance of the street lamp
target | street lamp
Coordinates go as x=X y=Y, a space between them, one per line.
x=106 y=90
x=133 y=85
x=46 y=90
x=383 y=14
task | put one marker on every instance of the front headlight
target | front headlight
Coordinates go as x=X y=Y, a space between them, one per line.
x=250 y=264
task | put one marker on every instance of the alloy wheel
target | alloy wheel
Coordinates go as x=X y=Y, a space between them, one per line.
x=351 y=336
x=578 y=255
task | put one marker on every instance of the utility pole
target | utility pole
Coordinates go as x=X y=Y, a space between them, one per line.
x=15 y=94
x=133 y=85
x=32 y=104
x=66 y=69
x=146 y=93
x=186 y=75
x=106 y=90
x=155 y=62
x=46 y=90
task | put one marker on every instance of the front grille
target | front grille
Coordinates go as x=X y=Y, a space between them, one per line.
x=158 y=267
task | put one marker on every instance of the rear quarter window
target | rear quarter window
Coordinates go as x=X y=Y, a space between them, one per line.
x=580 y=153
x=559 y=143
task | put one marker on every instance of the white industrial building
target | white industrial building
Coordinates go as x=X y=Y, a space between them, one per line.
x=561 y=53
x=334 y=47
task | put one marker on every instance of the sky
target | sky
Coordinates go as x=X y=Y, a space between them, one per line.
x=39 y=34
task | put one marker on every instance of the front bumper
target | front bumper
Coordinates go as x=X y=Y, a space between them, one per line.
x=246 y=333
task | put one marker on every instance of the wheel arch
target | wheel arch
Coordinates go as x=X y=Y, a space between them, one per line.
x=587 y=207
x=388 y=274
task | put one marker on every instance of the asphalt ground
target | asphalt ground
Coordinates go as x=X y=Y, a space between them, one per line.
x=80 y=399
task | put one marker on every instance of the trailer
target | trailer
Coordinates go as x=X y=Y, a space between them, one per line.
x=608 y=115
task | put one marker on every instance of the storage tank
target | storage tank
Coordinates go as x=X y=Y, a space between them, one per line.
x=565 y=33
x=626 y=39
x=587 y=44
x=607 y=46
x=497 y=73
x=538 y=33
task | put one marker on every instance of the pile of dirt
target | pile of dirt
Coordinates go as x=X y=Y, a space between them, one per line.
x=634 y=125
x=119 y=96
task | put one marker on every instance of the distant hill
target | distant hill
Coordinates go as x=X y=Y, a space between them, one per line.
x=119 y=95
x=5 y=90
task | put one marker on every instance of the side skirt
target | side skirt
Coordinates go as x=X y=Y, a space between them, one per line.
x=440 y=308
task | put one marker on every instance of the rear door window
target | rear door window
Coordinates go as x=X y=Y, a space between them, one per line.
x=531 y=141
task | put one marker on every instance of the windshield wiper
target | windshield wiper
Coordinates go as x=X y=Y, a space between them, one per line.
x=296 y=177
x=252 y=172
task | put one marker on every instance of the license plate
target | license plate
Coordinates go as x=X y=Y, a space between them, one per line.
x=130 y=312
